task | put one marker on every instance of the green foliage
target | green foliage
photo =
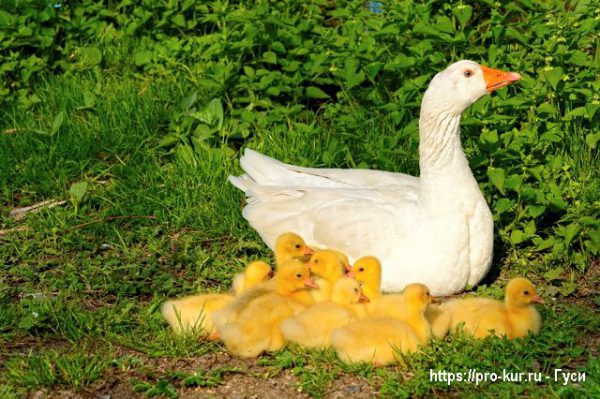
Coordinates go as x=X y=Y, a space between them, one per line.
x=139 y=109
x=279 y=66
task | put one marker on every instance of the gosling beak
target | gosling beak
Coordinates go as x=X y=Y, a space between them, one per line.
x=495 y=79
x=310 y=283
x=537 y=299
x=350 y=274
x=434 y=299
x=271 y=274
x=347 y=267
x=363 y=298
x=308 y=251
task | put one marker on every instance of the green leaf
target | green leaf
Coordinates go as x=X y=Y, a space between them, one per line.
x=142 y=58
x=579 y=58
x=575 y=113
x=497 y=177
x=517 y=237
x=592 y=140
x=89 y=56
x=570 y=231
x=502 y=205
x=77 y=191
x=57 y=123
x=270 y=57
x=315 y=92
x=463 y=14
x=489 y=136
x=536 y=210
x=215 y=110
x=553 y=75
x=554 y=274
x=546 y=109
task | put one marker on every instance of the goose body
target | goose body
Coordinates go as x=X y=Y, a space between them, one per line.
x=436 y=229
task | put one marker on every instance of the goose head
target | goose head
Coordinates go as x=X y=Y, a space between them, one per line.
x=462 y=83
x=520 y=292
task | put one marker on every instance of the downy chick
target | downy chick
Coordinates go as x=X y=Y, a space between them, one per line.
x=196 y=311
x=481 y=317
x=256 y=327
x=380 y=340
x=313 y=327
x=291 y=246
x=328 y=268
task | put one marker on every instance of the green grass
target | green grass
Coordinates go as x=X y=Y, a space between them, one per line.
x=81 y=283
x=72 y=283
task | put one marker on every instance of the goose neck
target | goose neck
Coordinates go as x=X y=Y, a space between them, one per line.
x=439 y=147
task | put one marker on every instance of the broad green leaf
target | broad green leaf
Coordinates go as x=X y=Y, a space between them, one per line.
x=57 y=123
x=168 y=140
x=89 y=56
x=579 y=58
x=189 y=100
x=463 y=14
x=502 y=205
x=554 y=274
x=575 y=113
x=142 y=58
x=270 y=57
x=78 y=190
x=553 y=75
x=592 y=140
x=536 y=210
x=215 y=110
x=497 y=177
x=570 y=231
x=315 y=92
x=489 y=136
x=517 y=237
x=546 y=109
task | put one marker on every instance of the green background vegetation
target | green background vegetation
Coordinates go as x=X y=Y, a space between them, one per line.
x=135 y=112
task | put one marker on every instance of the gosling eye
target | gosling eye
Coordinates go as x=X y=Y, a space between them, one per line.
x=299 y=275
x=361 y=269
x=356 y=290
x=468 y=73
x=297 y=246
x=316 y=261
x=525 y=292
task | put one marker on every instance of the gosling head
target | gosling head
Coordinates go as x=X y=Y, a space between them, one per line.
x=293 y=276
x=347 y=291
x=291 y=246
x=520 y=292
x=417 y=296
x=326 y=264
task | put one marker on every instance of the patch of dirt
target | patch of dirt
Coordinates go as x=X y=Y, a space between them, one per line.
x=248 y=381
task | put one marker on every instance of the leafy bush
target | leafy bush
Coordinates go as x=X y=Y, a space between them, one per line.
x=332 y=67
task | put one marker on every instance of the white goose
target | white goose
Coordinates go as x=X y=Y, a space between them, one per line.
x=436 y=229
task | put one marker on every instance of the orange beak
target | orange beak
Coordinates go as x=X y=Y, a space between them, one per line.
x=308 y=251
x=434 y=299
x=310 y=283
x=350 y=274
x=347 y=267
x=495 y=79
x=537 y=299
x=271 y=274
x=363 y=298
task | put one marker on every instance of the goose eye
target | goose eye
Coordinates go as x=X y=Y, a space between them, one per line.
x=356 y=290
x=297 y=246
x=468 y=73
x=525 y=292
x=316 y=261
x=361 y=269
x=299 y=275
